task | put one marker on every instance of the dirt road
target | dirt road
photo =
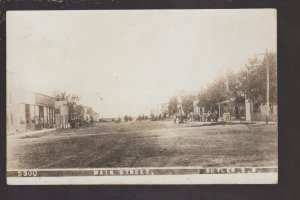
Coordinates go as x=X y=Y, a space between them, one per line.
x=147 y=144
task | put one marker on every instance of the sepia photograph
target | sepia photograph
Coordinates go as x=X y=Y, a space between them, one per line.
x=142 y=97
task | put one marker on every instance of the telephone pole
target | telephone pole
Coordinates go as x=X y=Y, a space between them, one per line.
x=268 y=85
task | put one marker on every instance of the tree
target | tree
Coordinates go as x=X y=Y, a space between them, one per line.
x=187 y=104
x=172 y=107
x=234 y=90
x=255 y=80
x=253 y=83
x=126 y=118
x=203 y=99
x=63 y=95
x=216 y=92
x=119 y=120
x=233 y=85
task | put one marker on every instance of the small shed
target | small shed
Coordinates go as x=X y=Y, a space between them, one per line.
x=230 y=109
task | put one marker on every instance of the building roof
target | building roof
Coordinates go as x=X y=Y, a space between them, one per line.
x=44 y=95
x=226 y=101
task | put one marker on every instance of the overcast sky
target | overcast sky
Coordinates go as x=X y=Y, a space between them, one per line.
x=133 y=59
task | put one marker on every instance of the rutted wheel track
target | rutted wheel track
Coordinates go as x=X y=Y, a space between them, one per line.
x=80 y=155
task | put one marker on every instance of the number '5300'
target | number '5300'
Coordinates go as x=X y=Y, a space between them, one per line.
x=27 y=173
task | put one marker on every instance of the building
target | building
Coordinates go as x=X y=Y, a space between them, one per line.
x=19 y=106
x=259 y=112
x=95 y=116
x=155 y=112
x=61 y=114
x=161 y=110
x=230 y=110
x=87 y=112
x=245 y=110
x=28 y=110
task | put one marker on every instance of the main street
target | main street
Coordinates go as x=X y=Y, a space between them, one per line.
x=146 y=144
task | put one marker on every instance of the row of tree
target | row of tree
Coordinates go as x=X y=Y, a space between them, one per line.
x=63 y=95
x=249 y=83
x=142 y=117
x=127 y=118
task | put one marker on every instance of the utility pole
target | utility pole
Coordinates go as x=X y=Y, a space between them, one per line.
x=268 y=86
